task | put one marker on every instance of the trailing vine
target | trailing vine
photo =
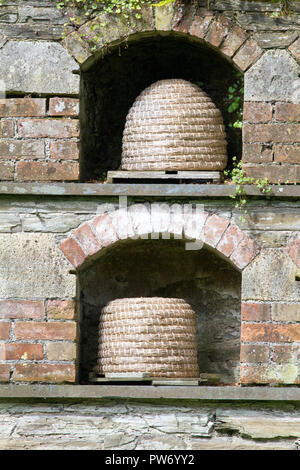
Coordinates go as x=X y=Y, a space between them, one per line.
x=235 y=98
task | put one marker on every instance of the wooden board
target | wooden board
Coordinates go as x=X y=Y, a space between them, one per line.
x=145 y=378
x=169 y=176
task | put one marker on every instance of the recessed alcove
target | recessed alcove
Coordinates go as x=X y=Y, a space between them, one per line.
x=113 y=81
x=164 y=268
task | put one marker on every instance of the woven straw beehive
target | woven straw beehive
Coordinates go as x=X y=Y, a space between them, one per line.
x=174 y=125
x=153 y=335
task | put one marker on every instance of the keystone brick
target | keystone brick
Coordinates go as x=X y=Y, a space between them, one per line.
x=52 y=128
x=287 y=153
x=73 y=251
x=64 y=107
x=270 y=333
x=16 y=149
x=24 y=351
x=183 y=23
x=47 y=171
x=104 y=230
x=256 y=312
x=64 y=150
x=287 y=112
x=7 y=171
x=21 y=309
x=214 y=228
x=274 y=132
x=247 y=54
x=4 y=330
x=22 y=107
x=44 y=373
x=234 y=40
x=87 y=239
x=4 y=372
x=230 y=240
x=201 y=23
x=257 y=153
x=218 y=30
x=61 y=351
x=257 y=111
x=7 y=128
x=254 y=353
x=61 y=309
x=45 y=330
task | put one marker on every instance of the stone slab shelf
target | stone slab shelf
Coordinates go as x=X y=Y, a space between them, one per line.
x=151 y=190
x=209 y=393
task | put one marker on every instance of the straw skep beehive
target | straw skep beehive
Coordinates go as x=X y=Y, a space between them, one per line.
x=174 y=125
x=152 y=335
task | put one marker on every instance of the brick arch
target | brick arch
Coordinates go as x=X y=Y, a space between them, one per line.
x=215 y=231
x=293 y=249
x=215 y=29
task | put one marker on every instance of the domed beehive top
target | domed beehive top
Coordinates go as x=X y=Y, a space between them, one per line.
x=174 y=125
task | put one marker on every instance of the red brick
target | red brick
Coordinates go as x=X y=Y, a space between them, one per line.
x=247 y=54
x=87 y=239
x=265 y=374
x=183 y=17
x=257 y=111
x=270 y=333
x=47 y=171
x=214 y=228
x=283 y=354
x=201 y=23
x=254 y=353
x=52 y=128
x=64 y=107
x=4 y=330
x=7 y=171
x=244 y=253
x=4 y=372
x=234 y=40
x=73 y=251
x=257 y=153
x=272 y=132
x=25 y=351
x=22 y=107
x=51 y=373
x=275 y=173
x=64 y=150
x=287 y=153
x=218 y=30
x=287 y=112
x=7 y=129
x=104 y=230
x=256 y=312
x=45 y=330
x=16 y=149
x=230 y=240
x=61 y=309
x=295 y=49
x=293 y=250
x=21 y=309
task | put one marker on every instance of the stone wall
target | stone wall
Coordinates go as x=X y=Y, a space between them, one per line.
x=138 y=425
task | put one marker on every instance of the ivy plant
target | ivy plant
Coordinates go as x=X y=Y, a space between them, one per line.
x=235 y=98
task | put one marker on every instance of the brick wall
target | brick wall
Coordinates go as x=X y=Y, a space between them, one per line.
x=38 y=341
x=39 y=139
x=270 y=336
x=271 y=141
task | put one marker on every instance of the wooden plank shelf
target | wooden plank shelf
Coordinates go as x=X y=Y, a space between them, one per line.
x=145 y=379
x=168 y=176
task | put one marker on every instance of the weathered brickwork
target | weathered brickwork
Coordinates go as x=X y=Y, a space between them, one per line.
x=37 y=144
x=38 y=341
